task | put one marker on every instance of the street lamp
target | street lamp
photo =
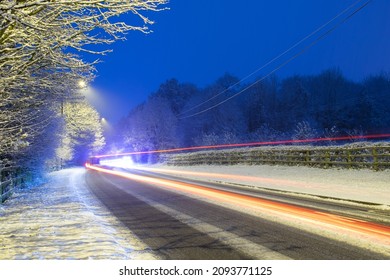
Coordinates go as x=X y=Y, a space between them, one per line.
x=82 y=84
x=105 y=126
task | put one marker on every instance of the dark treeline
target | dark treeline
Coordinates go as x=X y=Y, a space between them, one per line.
x=298 y=107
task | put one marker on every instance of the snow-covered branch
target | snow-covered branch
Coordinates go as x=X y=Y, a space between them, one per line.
x=39 y=67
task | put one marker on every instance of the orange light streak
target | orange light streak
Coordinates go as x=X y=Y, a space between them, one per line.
x=381 y=232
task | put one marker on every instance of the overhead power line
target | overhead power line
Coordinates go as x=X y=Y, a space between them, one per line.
x=322 y=36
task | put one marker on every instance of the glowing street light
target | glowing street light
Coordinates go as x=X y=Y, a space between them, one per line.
x=82 y=84
x=105 y=124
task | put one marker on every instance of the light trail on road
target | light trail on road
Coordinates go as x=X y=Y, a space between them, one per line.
x=380 y=233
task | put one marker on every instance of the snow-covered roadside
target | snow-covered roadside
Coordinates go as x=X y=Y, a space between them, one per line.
x=62 y=220
x=358 y=185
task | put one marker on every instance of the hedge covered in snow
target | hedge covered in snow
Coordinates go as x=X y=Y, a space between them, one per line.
x=356 y=155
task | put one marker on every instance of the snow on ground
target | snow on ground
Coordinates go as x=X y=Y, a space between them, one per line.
x=358 y=185
x=62 y=220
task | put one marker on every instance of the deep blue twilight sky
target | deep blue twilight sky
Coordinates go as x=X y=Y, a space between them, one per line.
x=198 y=41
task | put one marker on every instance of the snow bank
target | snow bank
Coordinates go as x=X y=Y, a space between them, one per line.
x=348 y=184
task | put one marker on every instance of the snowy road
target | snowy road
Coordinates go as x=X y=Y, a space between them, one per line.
x=83 y=214
x=178 y=221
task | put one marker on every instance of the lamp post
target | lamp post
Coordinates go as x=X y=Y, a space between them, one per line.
x=105 y=126
x=82 y=84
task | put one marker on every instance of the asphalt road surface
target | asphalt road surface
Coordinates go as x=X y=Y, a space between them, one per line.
x=175 y=224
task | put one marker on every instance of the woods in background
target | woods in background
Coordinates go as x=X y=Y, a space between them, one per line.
x=298 y=107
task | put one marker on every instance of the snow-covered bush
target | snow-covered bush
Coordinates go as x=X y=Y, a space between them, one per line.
x=304 y=130
x=207 y=139
x=356 y=155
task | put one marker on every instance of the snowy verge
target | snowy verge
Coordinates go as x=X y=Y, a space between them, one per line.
x=358 y=185
x=62 y=220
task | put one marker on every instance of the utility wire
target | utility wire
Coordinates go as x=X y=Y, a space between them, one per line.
x=282 y=64
x=274 y=59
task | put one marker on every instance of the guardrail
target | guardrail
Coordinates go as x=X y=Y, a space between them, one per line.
x=11 y=177
x=373 y=157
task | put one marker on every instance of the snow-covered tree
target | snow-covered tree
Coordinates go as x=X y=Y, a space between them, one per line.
x=151 y=126
x=376 y=103
x=177 y=94
x=39 y=67
x=259 y=104
x=227 y=118
x=82 y=135
x=207 y=139
x=32 y=32
x=266 y=133
x=294 y=102
x=304 y=130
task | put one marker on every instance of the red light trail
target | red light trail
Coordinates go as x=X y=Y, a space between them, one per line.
x=331 y=221
x=252 y=144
